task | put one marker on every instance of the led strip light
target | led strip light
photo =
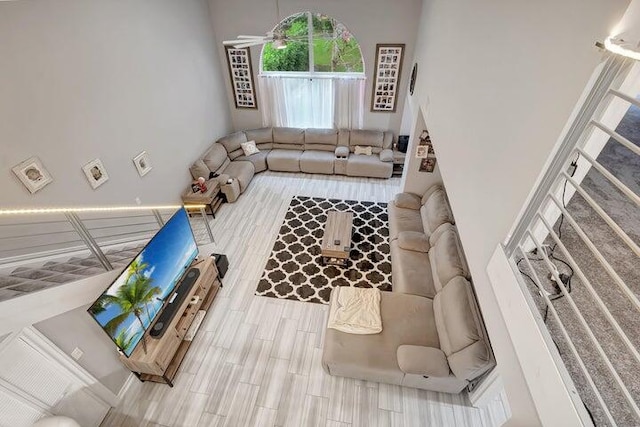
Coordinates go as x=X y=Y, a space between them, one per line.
x=94 y=209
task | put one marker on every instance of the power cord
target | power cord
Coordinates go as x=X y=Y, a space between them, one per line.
x=564 y=278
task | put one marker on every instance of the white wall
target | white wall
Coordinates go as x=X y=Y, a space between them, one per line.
x=75 y=328
x=370 y=21
x=107 y=79
x=498 y=79
x=414 y=181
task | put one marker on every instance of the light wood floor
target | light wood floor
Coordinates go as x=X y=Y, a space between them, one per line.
x=256 y=360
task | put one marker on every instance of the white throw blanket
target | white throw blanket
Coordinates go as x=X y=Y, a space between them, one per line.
x=356 y=311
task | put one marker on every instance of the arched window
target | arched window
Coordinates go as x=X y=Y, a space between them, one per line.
x=328 y=48
x=312 y=74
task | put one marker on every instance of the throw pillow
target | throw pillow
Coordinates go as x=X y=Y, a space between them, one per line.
x=362 y=150
x=249 y=148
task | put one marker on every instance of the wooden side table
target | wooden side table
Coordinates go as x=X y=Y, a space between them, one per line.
x=398 y=162
x=211 y=198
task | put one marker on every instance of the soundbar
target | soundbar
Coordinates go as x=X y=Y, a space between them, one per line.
x=175 y=301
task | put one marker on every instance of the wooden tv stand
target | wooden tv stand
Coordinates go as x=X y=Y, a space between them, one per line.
x=164 y=355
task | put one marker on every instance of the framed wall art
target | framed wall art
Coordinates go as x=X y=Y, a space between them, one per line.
x=142 y=163
x=32 y=174
x=96 y=173
x=387 y=77
x=241 y=73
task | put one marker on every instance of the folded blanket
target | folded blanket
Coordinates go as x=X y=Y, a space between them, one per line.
x=356 y=311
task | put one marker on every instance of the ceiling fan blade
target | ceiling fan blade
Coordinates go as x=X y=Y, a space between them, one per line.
x=249 y=44
x=244 y=41
x=250 y=37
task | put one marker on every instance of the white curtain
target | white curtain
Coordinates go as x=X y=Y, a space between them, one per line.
x=349 y=103
x=297 y=102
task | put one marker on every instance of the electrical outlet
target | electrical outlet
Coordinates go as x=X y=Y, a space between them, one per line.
x=77 y=353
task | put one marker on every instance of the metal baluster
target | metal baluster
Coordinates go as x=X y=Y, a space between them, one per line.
x=156 y=213
x=88 y=239
x=206 y=224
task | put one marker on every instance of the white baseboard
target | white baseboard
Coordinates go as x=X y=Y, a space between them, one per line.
x=490 y=387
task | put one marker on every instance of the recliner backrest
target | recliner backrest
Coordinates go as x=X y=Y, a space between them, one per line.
x=288 y=138
x=263 y=137
x=446 y=256
x=460 y=330
x=321 y=139
x=232 y=142
x=435 y=209
x=367 y=138
x=216 y=159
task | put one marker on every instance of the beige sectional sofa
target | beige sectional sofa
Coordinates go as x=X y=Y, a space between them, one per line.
x=321 y=151
x=433 y=337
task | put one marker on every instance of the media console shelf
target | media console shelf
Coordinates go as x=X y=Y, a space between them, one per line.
x=164 y=355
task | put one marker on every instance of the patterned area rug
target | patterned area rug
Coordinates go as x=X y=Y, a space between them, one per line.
x=293 y=270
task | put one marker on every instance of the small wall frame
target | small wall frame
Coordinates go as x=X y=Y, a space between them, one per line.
x=241 y=74
x=384 y=96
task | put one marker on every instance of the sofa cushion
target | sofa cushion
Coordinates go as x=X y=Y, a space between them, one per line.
x=199 y=169
x=413 y=241
x=366 y=138
x=232 y=143
x=406 y=319
x=263 y=137
x=407 y=201
x=288 y=138
x=215 y=158
x=446 y=256
x=435 y=209
x=419 y=360
x=259 y=160
x=411 y=272
x=242 y=171
x=460 y=329
x=312 y=161
x=284 y=160
x=369 y=166
x=321 y=139
x=402 y=219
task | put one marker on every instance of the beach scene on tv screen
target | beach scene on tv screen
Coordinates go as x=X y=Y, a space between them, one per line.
x=128 y=307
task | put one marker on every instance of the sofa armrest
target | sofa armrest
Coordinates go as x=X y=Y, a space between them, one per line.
x=386 y=155
x=413 y=241
x=222 y=179
x=342 y=152
x=407 y=201
x=420 y=360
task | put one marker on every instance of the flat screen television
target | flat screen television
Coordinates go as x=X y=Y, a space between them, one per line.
x=128 y=307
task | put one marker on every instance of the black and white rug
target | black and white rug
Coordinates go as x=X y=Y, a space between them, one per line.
x=293 y=270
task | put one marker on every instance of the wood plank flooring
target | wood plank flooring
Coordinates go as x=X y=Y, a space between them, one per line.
x=256 y=360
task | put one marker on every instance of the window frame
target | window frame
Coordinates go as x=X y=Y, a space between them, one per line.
x=311 y=73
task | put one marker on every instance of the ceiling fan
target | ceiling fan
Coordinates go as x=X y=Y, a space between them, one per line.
x=279 y=40
x=277 y=37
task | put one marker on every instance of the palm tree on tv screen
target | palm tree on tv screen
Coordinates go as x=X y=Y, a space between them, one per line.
x=132 y=298
x=124 y=340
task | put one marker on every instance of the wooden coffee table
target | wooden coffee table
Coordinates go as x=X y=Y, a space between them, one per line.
x=336 y=242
